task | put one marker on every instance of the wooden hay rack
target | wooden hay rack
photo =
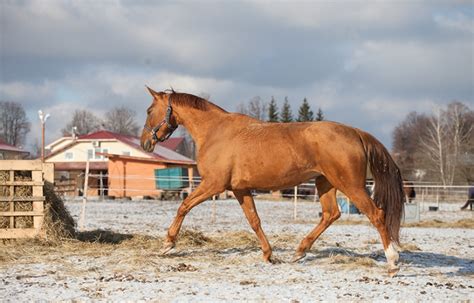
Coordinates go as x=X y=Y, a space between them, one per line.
x=21 y=197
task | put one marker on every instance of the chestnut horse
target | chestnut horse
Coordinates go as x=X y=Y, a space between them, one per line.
x=239 y=153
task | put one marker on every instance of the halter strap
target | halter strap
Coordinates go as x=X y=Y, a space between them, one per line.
x=166 y=120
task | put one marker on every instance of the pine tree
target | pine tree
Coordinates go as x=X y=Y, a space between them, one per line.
x=319 y=115
x=305 y=113
x=286 y=115
x=273 y=111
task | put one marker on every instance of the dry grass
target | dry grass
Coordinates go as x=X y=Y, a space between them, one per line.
x=372 y=241
x=58 y=223
x=409 y=247
x=436 y=223
x=463 y=223
x=135 y=250
x=192 y=238
x=352 y=222
x=352 y=262
x=239 y=239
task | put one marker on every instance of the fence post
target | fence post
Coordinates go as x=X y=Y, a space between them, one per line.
x=422 y=198
x=437 y=197
x=101 y=186
x=213 y=220
x=84 y=196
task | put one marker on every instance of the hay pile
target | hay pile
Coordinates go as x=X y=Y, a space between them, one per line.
x=58 y=223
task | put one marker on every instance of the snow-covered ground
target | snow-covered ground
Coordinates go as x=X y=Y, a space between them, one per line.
x=346 y=263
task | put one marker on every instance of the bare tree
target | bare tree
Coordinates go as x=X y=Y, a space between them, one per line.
x=406 y=141
x=242 y=108
x=121 y=120
x=459 y=129
x=35 y=150
x=189 y=144
x=441 y=144
x=434 y=143
x=258 y=108
x=14 y=124
x=255 y=108
x=84 y=121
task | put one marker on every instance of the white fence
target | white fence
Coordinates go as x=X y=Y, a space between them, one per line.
x=426 y=193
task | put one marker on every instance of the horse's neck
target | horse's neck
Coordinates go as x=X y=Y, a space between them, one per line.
x=200 y=124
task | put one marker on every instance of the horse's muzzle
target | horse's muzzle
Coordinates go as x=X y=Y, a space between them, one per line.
x=148 y=146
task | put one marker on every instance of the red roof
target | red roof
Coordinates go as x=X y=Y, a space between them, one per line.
x=172 y=143
x=161 y=150
x=9 y=147
x=122 y=157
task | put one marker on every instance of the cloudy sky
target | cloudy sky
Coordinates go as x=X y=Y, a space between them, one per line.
x=365 y=63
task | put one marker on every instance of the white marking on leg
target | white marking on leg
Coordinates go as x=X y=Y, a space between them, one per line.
x=392 y=256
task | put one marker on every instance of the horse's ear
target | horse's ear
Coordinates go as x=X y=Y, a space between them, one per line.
x=152 y=92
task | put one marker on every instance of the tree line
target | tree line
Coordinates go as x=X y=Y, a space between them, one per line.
x=437 y=147
x=269 y=111
x=15 y=125
x=427 y=147
x=119 y=120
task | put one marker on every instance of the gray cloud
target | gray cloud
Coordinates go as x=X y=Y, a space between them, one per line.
x=365 y=63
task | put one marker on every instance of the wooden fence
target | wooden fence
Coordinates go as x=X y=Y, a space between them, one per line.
x=22 y=198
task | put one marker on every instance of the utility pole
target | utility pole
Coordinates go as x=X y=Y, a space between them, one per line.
x=43 y=119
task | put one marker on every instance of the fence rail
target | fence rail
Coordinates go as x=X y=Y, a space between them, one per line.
x=425 y=192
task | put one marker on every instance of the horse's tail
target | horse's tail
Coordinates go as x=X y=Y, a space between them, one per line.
x=388 y=191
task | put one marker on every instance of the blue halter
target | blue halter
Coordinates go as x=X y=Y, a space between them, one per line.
x=154 y=130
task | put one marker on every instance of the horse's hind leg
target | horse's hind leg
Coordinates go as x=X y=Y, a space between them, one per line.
x=327 y=196
x=377 y=217
x=248 y=206
x=199 y=195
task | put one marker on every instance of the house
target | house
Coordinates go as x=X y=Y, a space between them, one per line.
x=179 y=145
x=102 y=151
x=130 y=176
x=10 y=152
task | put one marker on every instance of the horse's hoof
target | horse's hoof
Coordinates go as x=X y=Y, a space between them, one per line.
x=297 y=257
x=274 y=260
x=392 y=272
x=167 y=248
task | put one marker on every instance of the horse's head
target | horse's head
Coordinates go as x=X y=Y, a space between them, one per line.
x=160 y=123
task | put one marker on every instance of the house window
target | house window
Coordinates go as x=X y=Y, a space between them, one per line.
x=90 y=154
x=126 y=153
x=97 y=150
x=69 y=155
x=105 y=151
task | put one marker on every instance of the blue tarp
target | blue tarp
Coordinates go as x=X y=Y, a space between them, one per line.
x=346 y=207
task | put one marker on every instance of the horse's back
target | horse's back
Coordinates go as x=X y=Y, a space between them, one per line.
x=254 y=154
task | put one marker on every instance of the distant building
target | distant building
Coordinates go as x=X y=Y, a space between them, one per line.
x=70 y=156
x=179 y=145
x=10 y=152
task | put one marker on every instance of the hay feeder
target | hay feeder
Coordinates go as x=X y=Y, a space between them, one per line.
x=22 y=198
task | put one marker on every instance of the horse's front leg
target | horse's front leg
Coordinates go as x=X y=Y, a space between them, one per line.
x=199 y=195
x=248 y=206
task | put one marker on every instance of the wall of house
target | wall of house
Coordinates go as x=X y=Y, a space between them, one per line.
x=132 y=178
x=79 y=152
x=129 y=178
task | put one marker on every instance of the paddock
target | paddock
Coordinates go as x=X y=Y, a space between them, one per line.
x=219 y=259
